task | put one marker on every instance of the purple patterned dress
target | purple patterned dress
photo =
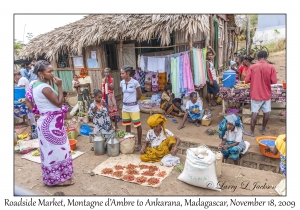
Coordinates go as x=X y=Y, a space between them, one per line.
x=56 y=157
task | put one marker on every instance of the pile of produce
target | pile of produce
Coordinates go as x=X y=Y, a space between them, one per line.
x=121 y=134
x=242 y=85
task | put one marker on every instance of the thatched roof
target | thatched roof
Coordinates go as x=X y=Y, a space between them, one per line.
x=94 y=29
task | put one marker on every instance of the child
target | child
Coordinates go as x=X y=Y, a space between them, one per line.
x=74 y=83
x=99 y=115
x=193 y=111
x=212 y=85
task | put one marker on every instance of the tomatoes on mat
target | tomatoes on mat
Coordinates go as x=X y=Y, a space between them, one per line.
x=148 y=173
x=153 y=181
x=131 y=166
x=118 y=174
x=129 y=178
x=107 y=171
x=153 y=168
x=119 y=167
x=143 y=166
x=162 y=174
x=132 y=172
x=141 y=179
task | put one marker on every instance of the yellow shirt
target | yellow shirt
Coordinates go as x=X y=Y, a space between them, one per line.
x=280 y=144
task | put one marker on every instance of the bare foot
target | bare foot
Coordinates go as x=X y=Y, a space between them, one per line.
x=249 y=133
x=180 y=127
x=196 y=123
x=262 y=131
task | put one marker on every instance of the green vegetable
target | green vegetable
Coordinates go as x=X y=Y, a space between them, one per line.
x=121 y=134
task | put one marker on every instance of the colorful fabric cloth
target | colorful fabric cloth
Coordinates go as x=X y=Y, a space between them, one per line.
x=283 y=164
x=222 y=126
x=20 y=110
x=101 y=120
x=127 y=117
x=154 y=81
x=280 y=144
x=188 y=77
x=83 y=73
x=232 y=152
x=196 y=67
x=109 y=97
x=162 y=81
x=148 y=81
x=55 y=152
x=157 y=119
x=156 y=154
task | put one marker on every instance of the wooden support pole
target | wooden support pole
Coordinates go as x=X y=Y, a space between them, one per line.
x=211 y=31
x=121 y=53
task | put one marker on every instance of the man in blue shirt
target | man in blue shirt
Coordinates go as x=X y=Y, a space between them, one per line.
x=25 y=70
x=32 y=76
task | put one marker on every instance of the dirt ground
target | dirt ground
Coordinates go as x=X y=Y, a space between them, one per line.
x=100 y=185
x=28 y=176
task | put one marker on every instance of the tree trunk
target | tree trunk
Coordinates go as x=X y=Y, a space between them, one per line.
x=248 y=38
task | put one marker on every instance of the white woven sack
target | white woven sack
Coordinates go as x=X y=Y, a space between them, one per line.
x=199 y=169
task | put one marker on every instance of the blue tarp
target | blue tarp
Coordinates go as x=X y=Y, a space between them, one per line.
x=271 y=21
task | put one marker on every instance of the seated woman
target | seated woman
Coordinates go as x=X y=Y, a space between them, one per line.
x=231 y=133
x=162 y=141
x=193 y=111
x=167 y=102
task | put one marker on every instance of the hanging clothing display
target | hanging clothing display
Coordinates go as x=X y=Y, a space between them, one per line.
x=148 y=81
x=174 y=69
x=162 y=81
x=155 y=82
x=199 y=64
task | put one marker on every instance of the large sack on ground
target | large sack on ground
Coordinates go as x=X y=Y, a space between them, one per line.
x=199 y=169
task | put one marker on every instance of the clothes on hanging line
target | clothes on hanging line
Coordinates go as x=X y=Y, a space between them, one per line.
x=158 y=63
x=154 y=81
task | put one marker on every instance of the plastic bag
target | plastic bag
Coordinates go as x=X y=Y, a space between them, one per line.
x=199 y=169
x=85 y=130
x=170 y=160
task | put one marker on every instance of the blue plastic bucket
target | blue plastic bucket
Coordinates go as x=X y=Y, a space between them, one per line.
x=19 y=92
x=229 y=78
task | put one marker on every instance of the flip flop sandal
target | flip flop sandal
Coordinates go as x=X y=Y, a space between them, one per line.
x=174 y=120
x=138 y=148
x=69 y=183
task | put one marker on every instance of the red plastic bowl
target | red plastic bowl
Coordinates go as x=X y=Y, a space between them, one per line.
x=73 y=143
x=263 y=146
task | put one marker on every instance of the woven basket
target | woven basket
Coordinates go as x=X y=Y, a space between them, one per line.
x=206 y=122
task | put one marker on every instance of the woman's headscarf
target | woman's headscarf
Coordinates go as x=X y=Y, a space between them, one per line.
x=280 y=144
x=157 y=119
x=83 y=73
x=233 y=119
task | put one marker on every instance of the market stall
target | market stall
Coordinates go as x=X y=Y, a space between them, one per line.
x=242 y=95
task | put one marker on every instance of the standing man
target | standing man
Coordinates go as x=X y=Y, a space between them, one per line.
x=261 y=75
x=32 y=76
x=25 y=70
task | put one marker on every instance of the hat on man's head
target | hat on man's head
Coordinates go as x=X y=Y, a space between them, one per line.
x=232 y=62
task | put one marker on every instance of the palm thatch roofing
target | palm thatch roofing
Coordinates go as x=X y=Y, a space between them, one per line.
x=94 y=29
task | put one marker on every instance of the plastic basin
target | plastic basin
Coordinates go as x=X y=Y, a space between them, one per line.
x=73 y=143
x=267 y=140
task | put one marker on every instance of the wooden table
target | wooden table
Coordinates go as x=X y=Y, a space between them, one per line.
x=242 y=95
